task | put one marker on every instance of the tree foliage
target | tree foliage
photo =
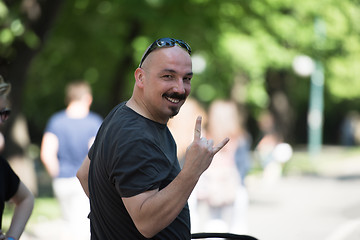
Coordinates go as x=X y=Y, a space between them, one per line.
x=248 y=47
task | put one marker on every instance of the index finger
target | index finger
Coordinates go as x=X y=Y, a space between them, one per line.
x=197 y=131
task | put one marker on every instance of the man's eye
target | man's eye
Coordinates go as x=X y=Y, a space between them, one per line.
x=168 y=76
x=187 y=79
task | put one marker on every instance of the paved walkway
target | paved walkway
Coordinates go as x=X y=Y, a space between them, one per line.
x=306 y=208
x=325 y=207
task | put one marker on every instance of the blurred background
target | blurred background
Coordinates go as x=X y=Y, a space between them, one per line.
x=290 y=67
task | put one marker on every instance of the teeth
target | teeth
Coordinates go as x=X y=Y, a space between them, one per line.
x=173 y=100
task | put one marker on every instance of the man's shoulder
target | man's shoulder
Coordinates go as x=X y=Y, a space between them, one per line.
x=57 y=118
x=95 y=116
x=58 y=114
x=128 y=125
x=125 y=118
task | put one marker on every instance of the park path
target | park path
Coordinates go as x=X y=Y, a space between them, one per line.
x=321 y=207
x=325 y=206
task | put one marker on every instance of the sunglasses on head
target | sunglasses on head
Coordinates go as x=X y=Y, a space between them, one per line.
x=165 y=42
x=4 y=114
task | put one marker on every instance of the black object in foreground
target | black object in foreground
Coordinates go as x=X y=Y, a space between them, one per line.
x=228 y=236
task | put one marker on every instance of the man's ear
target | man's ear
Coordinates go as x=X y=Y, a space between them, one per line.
x=139 y=77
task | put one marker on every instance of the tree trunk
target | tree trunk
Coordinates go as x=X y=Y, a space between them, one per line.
x=120 y=79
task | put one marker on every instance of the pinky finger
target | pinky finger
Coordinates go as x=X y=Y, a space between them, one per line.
x=220 y=145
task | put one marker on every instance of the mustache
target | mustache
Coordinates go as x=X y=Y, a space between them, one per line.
x=176 y=96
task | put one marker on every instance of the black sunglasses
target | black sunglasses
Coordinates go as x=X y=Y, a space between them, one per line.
x=4 y=114
x=165 y=42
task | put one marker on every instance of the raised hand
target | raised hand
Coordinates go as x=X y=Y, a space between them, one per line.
x=201 y=151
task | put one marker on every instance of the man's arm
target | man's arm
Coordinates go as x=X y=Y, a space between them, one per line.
x=83 y=174
x=48 y=153
x=154 y=210
x=24 y=203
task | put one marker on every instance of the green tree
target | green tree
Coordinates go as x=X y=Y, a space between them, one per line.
x=248 y=47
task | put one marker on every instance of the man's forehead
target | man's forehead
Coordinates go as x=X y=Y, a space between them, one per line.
x=169 y=58
x=170 y=70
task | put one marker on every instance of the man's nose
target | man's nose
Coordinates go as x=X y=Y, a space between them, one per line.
x=179 y=88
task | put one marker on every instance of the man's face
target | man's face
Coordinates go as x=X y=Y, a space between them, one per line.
x=167 y=76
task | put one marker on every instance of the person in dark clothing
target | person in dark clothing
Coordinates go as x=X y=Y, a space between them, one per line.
x=11 y=187
x=132 y=175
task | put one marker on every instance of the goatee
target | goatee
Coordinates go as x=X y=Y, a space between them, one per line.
x=174 y=111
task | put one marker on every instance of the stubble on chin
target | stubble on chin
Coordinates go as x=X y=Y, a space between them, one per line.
x=174 y=111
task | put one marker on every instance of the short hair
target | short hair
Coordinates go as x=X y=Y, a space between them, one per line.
x=76 y=90
x=5 y=87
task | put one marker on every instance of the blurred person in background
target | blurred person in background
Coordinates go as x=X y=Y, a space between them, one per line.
x=271 y=150
x=222 y=195
x=68 y=136
x=11 y=187
x=269 y=138
x=350 y=129
x=181 y=128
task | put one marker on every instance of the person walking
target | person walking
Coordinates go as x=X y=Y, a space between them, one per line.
x=68 y=136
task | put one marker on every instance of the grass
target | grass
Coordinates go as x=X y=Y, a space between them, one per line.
x=329 y=158
x=45 y=209
x=301 y=163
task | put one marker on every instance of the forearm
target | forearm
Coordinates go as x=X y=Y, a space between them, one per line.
x=48 y=154
x=162 y=207
x=52 y=166
x=22 y=212
x=83 y=174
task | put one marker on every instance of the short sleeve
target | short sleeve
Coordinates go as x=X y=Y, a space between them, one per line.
x=139 y=167
x=51 y=125
x=11 y=180
x=91 y=151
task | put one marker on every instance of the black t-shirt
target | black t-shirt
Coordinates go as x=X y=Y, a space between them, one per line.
x=9 y=184
x=131 y=154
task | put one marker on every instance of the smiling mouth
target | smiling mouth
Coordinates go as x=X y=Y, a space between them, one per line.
x=173 y=100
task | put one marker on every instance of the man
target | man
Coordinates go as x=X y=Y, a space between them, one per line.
x=136 y=187
x=66 y=141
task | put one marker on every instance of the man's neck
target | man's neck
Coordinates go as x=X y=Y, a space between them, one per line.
x=140 y=108
x=77 y=110
x=135 y=106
